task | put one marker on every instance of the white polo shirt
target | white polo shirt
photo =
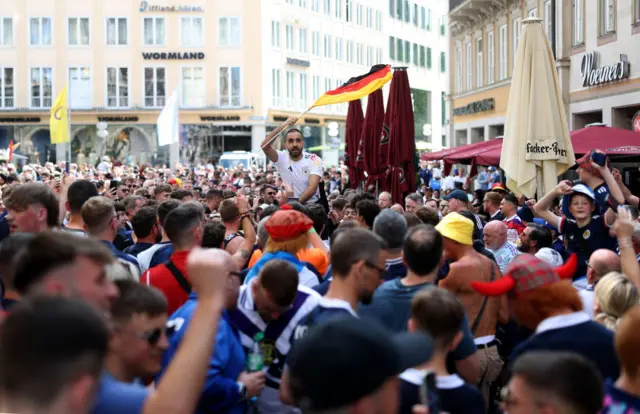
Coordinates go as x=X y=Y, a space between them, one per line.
x=297 y=173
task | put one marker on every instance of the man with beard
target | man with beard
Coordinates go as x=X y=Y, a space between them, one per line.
x=536 y=240
x=358 y=267
x=299 y=169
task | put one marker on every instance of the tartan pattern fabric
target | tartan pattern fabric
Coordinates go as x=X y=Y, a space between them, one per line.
x=529 y=273
x=585 y=164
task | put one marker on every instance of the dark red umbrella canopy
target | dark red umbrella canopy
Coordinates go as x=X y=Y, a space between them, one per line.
x=367 y=155
x=470 y=154
x=612 y=141
x=355 y=122
x=438 y=155
x=397 y=143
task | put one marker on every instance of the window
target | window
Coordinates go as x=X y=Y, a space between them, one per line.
x=407 y=51
x=230 y=86
x=429 y=58
x=327 y=47
x=6 y=34
x=442 y=26
x=490 y=58
x=636 y=12
x=339 y=44
x=548 y=20
x=289 y=37
x=302 y=41
x=359 y=14
x=407 y=11
x=290 y=1
x=369 y=55
x=315 y=5
x=315 y=87
x=230 y=31
x=502 y=53
x=399 y=9
x=467 y=57
x=338 y=9
x=400 y=50
x=443 y=62
x=350 y=58
x=302 y=4
x=40 y=31
x=392 y=8
x=304 y=98
x=315 y=43
x=290 y=85
x=607 y=16
x=428 y=108
x=369 y=18
x=327 y=7
x=359 y=54
x=155 y=87
x=41 y=87
x=193 y=88
x=577 y=22
x=423 y=57
x=378 y=55
x=349 y=11
x=378 y=20
x=444 y=112
x=458 y=69
x=429 y=19
x=533 y=12
x=275 y=87
x=479 y=63
x=517 y=28
x=78 y=31
x=117 y=31
x=154 y=31
x=275 y=34
x=6 y=88
x=327 y=84
x=415 y=15
x=80 y=87
x=416 y=56
x=423 y=18
x=192 y=34
x=117 y=87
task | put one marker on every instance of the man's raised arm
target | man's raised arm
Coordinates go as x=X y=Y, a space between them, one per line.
x=267 y=142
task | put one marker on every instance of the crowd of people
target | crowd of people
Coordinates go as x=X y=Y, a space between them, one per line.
x=141 y=289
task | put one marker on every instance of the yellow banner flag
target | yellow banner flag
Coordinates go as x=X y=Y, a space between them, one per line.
x=59 y=122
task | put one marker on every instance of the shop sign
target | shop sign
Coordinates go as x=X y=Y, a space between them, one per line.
x=636 y=122
x=118 y=119
x=220 y=118
x=298 y=62
x=594 y=76
x=145 y=7
x=173 y=56
x=475 y=107
x=20 y=120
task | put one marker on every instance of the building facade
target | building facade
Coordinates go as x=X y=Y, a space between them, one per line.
x=417 y=39
x=238 y=69
x=484 y=40
x=605 y=63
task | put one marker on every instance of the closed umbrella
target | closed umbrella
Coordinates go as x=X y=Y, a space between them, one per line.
x=397 y=143
x=367 y=156
x=536 y=147
x=355 y=121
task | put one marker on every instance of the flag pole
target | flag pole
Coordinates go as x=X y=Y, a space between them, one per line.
x=276 y=135
x=68 y=146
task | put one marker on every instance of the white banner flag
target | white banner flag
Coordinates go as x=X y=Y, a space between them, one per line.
x=168 y=123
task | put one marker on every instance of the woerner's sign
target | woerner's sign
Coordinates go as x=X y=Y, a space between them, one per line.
x=593 y=75
x=475 y=107
x=145 y=7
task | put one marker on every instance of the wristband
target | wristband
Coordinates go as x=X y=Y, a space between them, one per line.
x=311 y=230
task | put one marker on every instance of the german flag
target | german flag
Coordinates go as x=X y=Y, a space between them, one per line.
x=357 y=87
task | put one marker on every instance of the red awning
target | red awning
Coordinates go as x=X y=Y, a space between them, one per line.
x=469 y=155
x=438 y=155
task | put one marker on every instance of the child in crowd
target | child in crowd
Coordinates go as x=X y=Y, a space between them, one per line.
x=439 y=313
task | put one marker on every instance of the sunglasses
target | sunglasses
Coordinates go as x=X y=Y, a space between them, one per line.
x=271 y=194
x=152 y=337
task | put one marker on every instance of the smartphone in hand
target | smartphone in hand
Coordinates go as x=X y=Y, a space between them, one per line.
x=599 y=158
x=429 y=395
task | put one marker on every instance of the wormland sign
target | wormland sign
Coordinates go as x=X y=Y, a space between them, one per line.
x=594 y=76
x=145 y=7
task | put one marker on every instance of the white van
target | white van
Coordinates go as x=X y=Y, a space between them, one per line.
x=231 y=159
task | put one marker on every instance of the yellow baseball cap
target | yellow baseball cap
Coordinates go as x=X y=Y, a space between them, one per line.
x=456 y=227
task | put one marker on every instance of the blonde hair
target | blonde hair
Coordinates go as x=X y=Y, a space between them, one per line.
x=615 y=294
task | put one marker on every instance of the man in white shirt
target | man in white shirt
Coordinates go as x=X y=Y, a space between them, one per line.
x=300 y=170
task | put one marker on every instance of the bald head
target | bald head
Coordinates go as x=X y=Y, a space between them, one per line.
x=384 y=200
x=601 y=262
x=398 y=208
x=495 y=235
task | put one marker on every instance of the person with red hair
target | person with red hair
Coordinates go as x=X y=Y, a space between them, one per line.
x=542 y=299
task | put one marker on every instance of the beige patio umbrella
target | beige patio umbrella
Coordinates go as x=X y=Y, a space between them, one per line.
x=537 y=146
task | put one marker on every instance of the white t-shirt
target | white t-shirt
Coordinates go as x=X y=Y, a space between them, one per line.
x=297 y=173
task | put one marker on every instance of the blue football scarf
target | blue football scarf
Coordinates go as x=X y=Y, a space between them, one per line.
x=255 y=270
